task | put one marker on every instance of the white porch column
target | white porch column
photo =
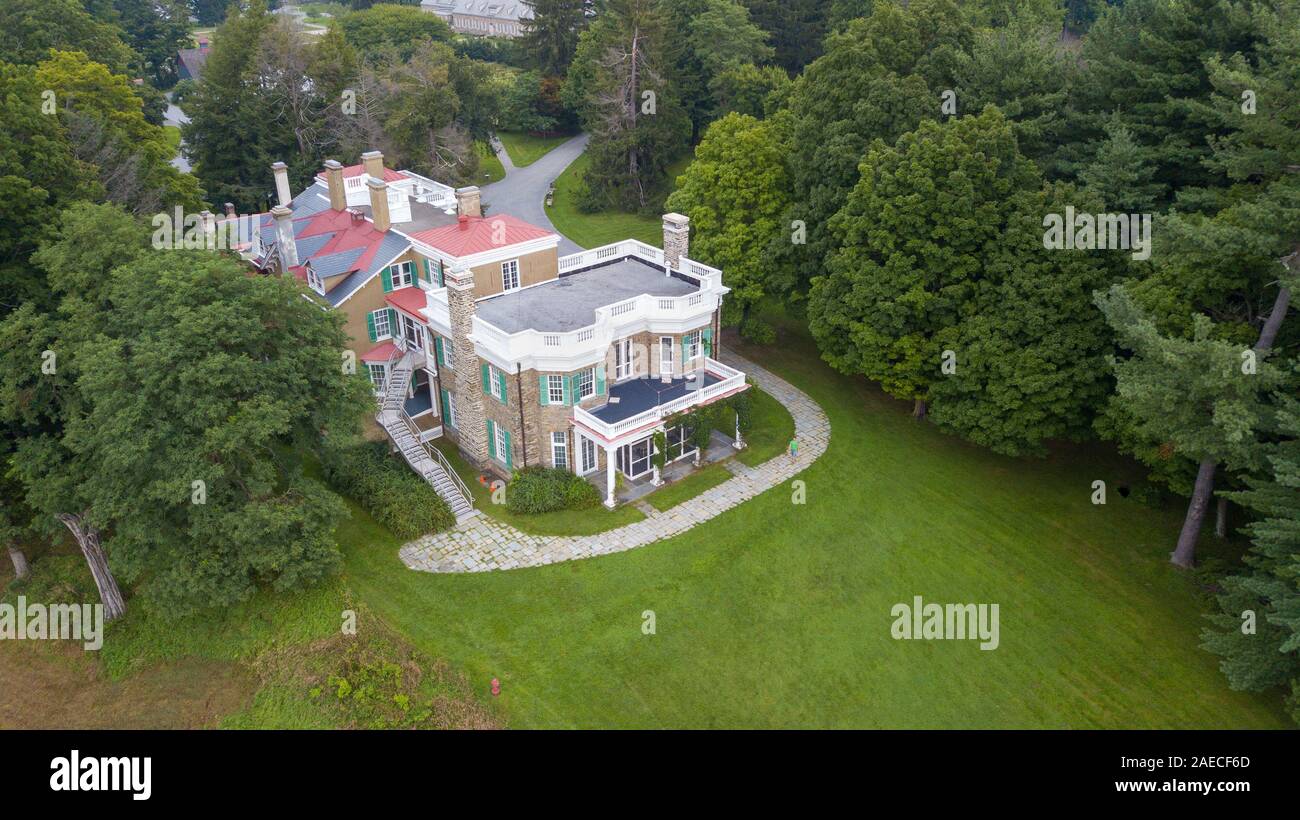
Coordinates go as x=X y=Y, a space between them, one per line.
x=739 y=443
x=609 y=477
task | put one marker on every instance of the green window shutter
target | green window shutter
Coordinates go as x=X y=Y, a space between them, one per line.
x=492 y=439
x=510 y=462
x=708 y=341
x=441 y=282
x=437 y=350
x=685 y=351
x=505 y=396
x=568 y=391
x=545 y=392
x=370 y=326
x=392 y=323
x=442 y=404
x=424 y=268
x=600 y=380
x=487 y=379
x=386 y=276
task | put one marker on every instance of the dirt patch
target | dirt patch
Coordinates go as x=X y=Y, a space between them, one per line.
x=58 y=686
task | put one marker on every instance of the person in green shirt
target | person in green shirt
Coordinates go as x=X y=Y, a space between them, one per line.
x=794 y=449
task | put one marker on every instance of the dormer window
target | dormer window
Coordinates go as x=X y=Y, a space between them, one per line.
x=314 y=281
x=403 y=275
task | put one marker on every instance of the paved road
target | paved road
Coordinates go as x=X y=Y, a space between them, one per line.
x=523 y=191
x=175 y=116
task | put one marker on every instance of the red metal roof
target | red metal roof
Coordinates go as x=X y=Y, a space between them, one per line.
x=410 y=300
x=477 y=234
x=357 y=170
x=379 y=353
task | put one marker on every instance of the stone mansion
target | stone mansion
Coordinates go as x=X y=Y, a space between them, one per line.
x=473 y=328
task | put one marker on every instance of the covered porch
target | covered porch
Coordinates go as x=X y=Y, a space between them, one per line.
x=625 y=427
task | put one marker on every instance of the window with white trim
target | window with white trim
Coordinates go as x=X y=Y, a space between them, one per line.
x=560 y=451
x=382 y=328
x=313 y=280
x=510 y=275
x=403 y=274
x=497 y=383
x=449 y=410
x=378 y=375
x=503 y=452
x=555 y=390
x=585 y=382
x=691 y=341
x=665 y=354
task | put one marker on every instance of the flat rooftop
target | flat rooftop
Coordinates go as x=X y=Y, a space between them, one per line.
x=570 y=302
x=638 y=395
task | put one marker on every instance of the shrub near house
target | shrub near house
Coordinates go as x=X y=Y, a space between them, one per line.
x=542 y=489
x=390 y=492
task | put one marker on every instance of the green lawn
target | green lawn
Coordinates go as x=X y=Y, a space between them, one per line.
x=772 y=614
x=525 y=149
x=490 y=168
x=670 y=495
x=594 y=230
x=772 y=429
x=173 y=138
x=560 y=522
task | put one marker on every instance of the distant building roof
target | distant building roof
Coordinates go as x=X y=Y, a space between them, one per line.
x=193 y=60
x=495 y=9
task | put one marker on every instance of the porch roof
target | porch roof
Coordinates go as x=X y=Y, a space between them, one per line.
x=638 y=395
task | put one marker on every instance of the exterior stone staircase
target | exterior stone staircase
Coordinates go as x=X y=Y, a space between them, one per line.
x=425 y=459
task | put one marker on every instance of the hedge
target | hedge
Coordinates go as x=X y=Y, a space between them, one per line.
x=542 y=489
x=387 y=488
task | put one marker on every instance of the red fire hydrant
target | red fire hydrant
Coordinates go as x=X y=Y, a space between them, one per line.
x=496 y=687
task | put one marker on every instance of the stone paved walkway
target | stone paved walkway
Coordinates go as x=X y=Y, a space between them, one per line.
x=483 y=543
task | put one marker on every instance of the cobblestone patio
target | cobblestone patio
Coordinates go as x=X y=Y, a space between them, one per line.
x=483 y=543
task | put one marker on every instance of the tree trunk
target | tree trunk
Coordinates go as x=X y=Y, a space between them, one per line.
x=919 y=408
x=88 y=540
x=1221 y=518
x=1274 y=321
x=1185 y=553
x=20 y=562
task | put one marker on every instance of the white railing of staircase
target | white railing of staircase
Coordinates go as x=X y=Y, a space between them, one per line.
x=731 y=379
x=436 y=456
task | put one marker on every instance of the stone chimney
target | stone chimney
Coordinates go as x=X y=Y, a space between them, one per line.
x=467 y=201
x=470 y=418
x=282 y=192
x=373 y=164
x=284 y=238
x=334 y=179
x=677 y=240
x=379 y=203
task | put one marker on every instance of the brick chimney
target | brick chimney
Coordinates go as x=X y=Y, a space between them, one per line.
x=471 y=420
x=379 y=203
x=284 y=237
x=677 y=240
x=372 y=163
x=467 y=201
x=334 y=180
x=282 y=192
